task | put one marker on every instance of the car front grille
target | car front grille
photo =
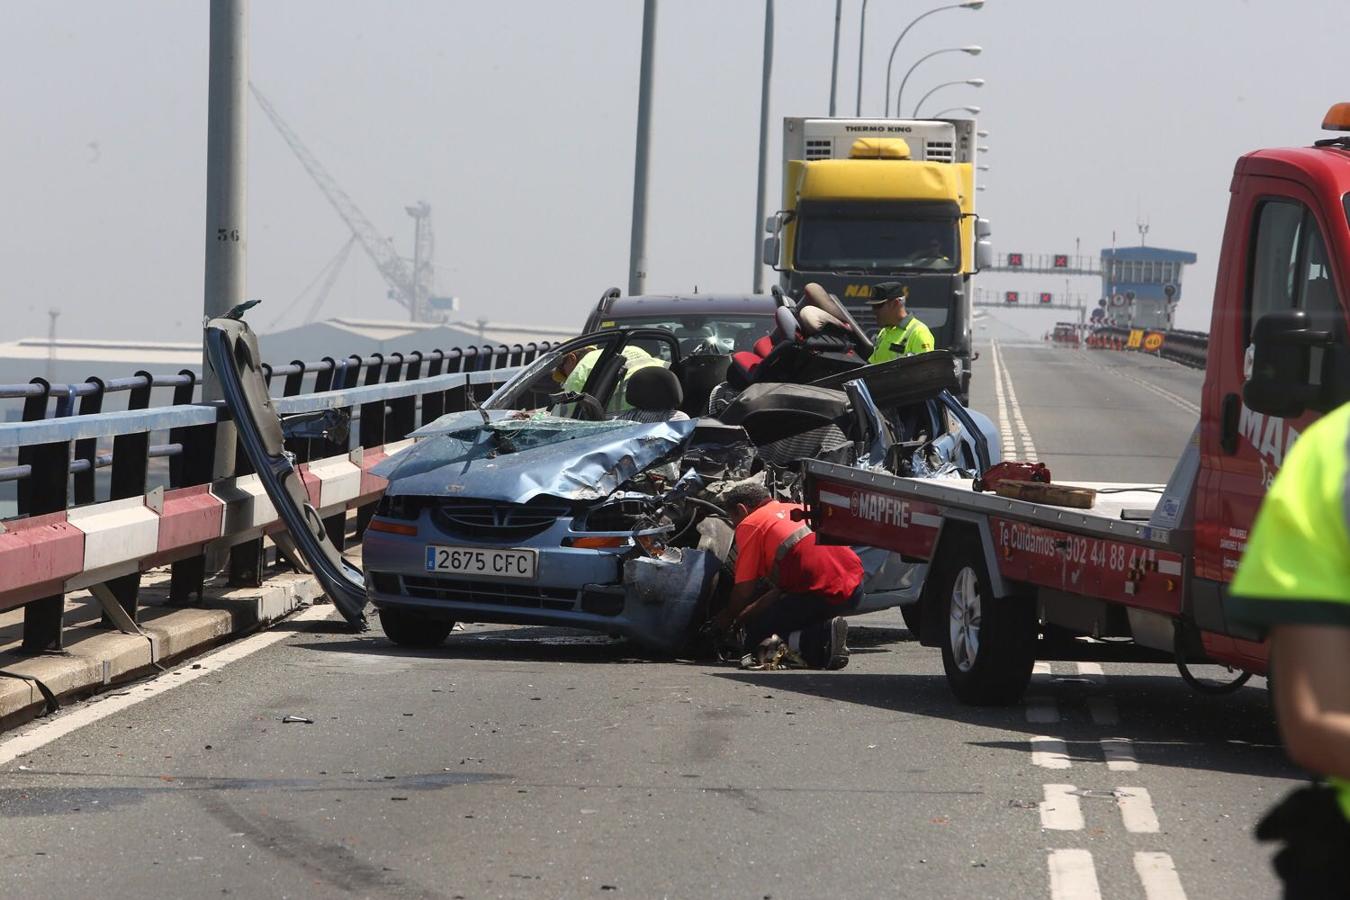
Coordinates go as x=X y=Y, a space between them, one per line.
x=501 y=593
x=485 y=520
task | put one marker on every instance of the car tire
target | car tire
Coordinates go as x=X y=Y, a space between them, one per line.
x=989 y=644
x=411 y=630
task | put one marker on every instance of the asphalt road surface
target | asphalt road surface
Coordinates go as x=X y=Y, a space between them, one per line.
x=520 y=762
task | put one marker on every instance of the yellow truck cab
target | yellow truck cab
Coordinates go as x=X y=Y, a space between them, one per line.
x=873 y=200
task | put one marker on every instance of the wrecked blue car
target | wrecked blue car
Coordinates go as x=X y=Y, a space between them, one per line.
x=579 y=501
x=585 y=492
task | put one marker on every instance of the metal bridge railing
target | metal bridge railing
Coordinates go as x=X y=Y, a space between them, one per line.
x=65 y=537
x=1189 y=348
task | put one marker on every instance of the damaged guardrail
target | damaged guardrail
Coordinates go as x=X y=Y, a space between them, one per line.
x=65 y=538
x=1189 y=348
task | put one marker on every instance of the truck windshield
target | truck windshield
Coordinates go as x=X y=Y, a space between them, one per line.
x=877 y=237
x=705 y=333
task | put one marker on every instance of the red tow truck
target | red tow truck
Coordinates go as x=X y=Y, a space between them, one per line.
x=1145 y=568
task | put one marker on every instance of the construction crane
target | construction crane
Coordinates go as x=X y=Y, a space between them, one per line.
x=409 y=286
x=325 y=280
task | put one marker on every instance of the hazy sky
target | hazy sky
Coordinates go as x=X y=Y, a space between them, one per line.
x=515 y=121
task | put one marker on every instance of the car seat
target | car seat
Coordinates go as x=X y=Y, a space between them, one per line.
x=698 y=376
x=655 y=395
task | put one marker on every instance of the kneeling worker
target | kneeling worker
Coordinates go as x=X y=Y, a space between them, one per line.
x=902 y=334
x=786 y=584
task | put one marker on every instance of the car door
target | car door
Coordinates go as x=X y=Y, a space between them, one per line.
x=1288 y=267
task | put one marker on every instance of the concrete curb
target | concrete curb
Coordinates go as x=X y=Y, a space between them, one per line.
x=97 y=658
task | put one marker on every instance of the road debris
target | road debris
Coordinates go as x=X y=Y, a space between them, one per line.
x=301 y=720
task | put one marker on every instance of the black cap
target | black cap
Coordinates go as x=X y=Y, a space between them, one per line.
x=887 y=290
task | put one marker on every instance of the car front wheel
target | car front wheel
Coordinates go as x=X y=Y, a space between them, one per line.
x=411 y=630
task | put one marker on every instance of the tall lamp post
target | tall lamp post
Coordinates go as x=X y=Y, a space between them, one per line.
x=757 y=282
x=973 y=110
x=834 y=64
x=970 y=49
x=968 y=4
x=973 y=82
x=637 y=248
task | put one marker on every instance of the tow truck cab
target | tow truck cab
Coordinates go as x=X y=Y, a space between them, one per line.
x=1278 y=352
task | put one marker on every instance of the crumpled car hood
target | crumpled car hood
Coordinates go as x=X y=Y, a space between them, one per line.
x=514 y=461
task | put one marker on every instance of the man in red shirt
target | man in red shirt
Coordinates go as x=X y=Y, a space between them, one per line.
x=787 y=585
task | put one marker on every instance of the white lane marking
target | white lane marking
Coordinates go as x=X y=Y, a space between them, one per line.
x=1040 y=668
x=91 y=712
x=1173 y=398
x=1073 y=876
x=1042 y=709
x=1028 y=445
x=1159 y=876
x=1136 y=810
x=1049 y=753
x=1119 y=754
x=1060 y=810
x=1091 y=671
x=1009 y=446
x=1103 y=710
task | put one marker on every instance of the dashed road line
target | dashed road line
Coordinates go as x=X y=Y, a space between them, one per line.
x=1173 y=398
x=1092 y=671
x=1073 y=876
x=1136 y=810
x=1159 y=876
x=1049 y=753
x=1119 y=754
x=1009 y=445
x=1004 y=391
x=1061 y=809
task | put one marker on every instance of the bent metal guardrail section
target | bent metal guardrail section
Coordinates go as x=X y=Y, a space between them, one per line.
x=65 y=539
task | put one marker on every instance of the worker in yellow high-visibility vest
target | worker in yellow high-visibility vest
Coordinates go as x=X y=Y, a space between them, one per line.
x=1294 y=579
x=902 y=334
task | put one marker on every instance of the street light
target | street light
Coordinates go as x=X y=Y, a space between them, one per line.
x=969 y=4
x=972 y=50
x=973 y=110
x=973 y=82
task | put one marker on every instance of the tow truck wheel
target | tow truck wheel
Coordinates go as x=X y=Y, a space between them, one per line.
x=990 y=645
x=411 y=630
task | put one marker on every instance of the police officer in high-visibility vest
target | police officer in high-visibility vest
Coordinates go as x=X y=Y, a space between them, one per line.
x=902 y=334
x=1294 y=578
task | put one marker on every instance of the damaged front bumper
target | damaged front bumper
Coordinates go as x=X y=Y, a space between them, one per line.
x=654 y=601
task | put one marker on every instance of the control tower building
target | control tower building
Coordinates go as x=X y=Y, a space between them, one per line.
x=1141 y=286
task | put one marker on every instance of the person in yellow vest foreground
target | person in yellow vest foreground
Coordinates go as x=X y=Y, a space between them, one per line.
x=1294 y=578
x=902 y=334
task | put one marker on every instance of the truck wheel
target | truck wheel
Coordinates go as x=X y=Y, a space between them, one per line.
x=990 y=645
x=411 y=630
